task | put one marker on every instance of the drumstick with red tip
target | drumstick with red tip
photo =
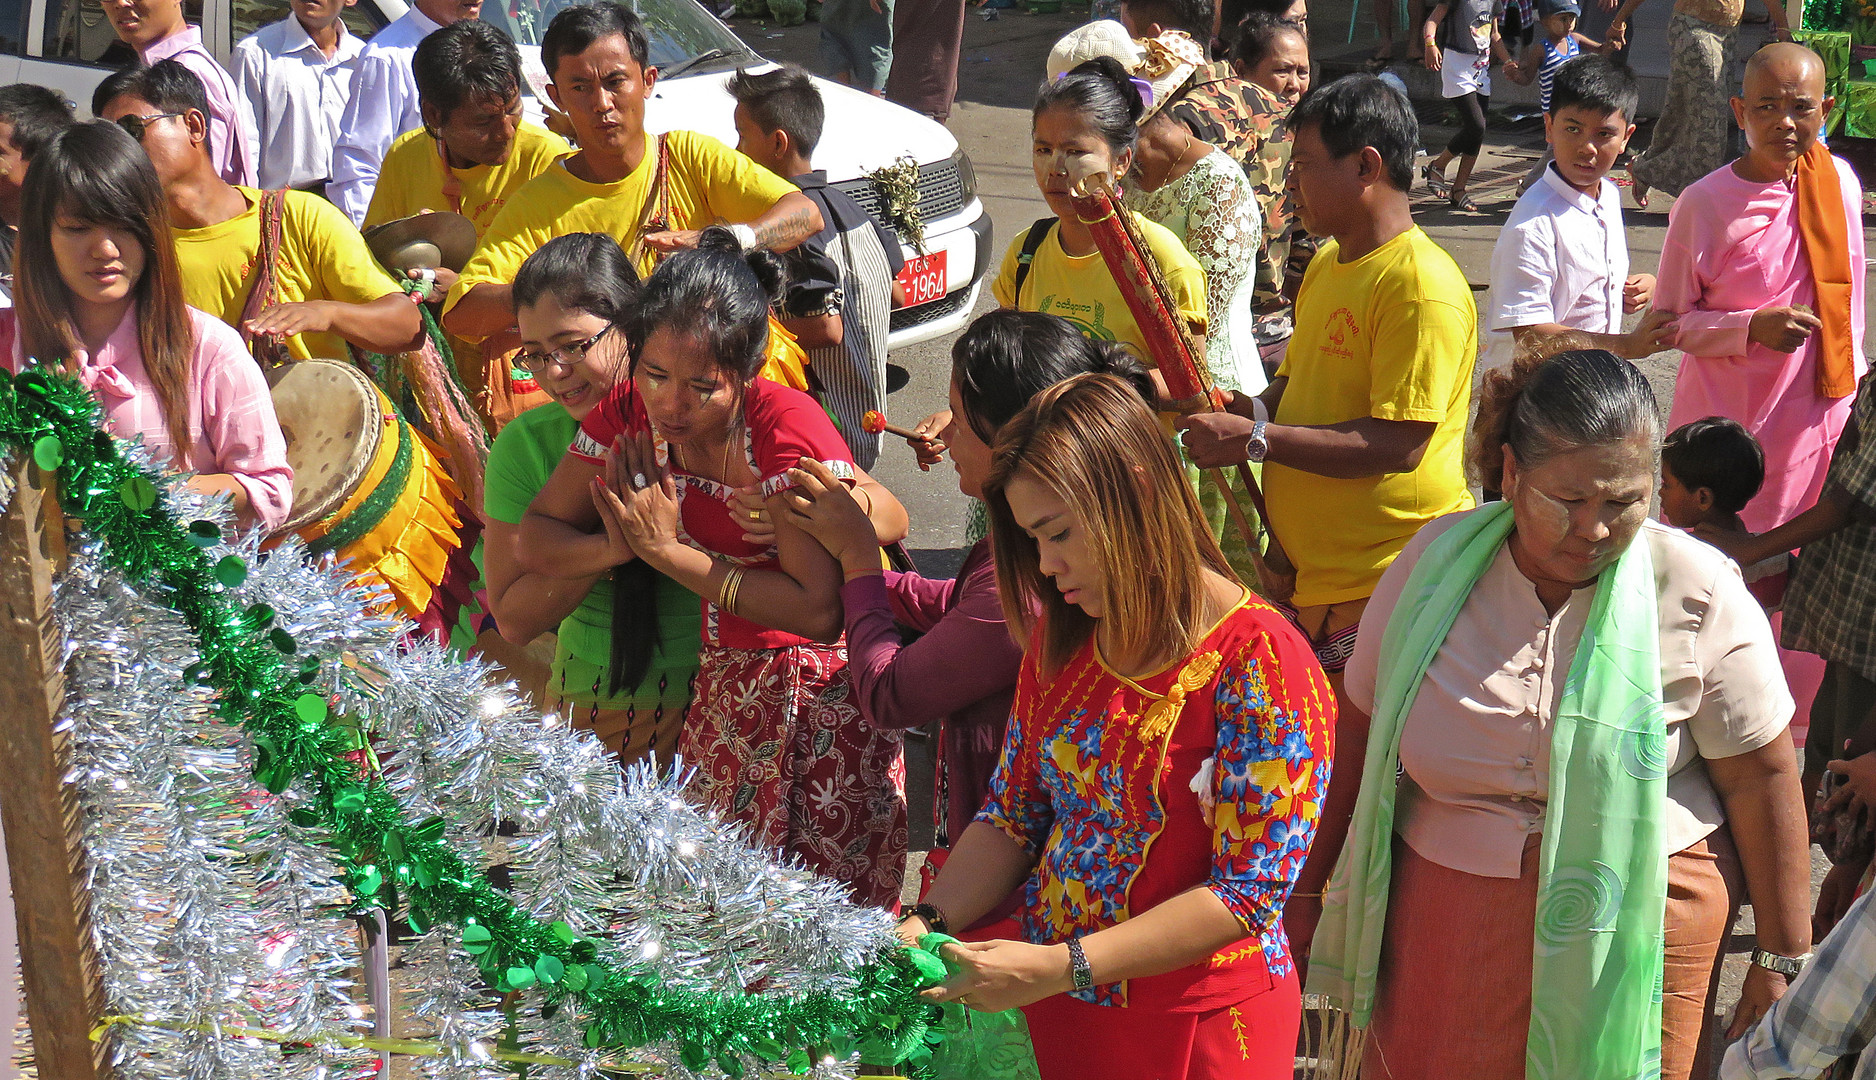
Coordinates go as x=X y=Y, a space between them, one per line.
x=874 y=422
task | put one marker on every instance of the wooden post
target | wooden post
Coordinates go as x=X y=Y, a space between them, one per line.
x=38 y=810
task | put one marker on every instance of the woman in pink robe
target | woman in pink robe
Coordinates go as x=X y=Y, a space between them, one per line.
x=1733 y=248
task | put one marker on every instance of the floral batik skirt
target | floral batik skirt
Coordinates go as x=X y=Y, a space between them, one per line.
x=779 y=746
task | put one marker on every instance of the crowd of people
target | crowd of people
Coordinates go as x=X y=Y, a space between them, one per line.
x=1455 y=734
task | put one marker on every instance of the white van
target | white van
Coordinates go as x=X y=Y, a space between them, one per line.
x=69 y=45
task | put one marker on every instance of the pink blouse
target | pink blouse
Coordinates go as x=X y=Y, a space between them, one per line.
x=232 y=427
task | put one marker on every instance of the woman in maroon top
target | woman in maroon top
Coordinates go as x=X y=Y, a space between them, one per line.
x=772 y=731
x=962 y=670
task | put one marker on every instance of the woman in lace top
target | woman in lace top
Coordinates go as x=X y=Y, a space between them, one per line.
x=1200 y=194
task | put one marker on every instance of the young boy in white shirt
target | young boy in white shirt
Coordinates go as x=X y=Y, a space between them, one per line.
x=296 y=75
x=1561 y=262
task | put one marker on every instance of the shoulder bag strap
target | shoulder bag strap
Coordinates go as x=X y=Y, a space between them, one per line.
x=655 y=214
x=270 y=352
x=1031 y=244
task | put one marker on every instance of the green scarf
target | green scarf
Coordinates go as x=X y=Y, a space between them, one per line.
x=1602 y=884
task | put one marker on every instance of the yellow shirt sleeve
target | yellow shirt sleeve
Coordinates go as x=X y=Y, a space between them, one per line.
x=518 y=231
x=1004 y=287
x=1419 y=356
x=1183 y=274
x=343 y=268
x=395 y=195
x=726 y=185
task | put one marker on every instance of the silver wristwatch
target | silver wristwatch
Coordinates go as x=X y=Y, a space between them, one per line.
x=1788 y=966
x=1078 y=968
x=1258 y=447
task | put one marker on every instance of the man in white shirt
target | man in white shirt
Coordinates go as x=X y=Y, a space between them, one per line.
x=296 y=75
x=384 y=101
x=1561 y=262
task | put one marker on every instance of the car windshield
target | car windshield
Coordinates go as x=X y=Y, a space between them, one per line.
x=680 y=30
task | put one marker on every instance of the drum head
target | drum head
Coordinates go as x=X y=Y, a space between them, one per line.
x=333 y=420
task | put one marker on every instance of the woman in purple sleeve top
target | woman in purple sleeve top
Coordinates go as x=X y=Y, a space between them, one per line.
x=961 y=668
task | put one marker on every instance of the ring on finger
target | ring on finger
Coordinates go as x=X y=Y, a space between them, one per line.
x=639 y=481
x=755 y=515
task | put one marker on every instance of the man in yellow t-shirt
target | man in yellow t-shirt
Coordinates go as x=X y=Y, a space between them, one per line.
x=474 y=149
x=330 y=290
x=473 y=152
x=1079 y=288
x=597 y=56
x=1362 y=431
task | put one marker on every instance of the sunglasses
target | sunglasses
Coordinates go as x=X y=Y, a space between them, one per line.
x=137 y=125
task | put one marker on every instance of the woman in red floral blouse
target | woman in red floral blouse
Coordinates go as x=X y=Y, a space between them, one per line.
x=1162 y=773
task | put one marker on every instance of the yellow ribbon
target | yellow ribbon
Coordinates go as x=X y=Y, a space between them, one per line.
x=408 y=1047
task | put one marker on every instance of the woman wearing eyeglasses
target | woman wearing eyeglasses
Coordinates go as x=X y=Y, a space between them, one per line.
x=627 y=649
x=97 y=295
x=774 y=733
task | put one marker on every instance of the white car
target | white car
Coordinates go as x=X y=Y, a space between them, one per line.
x=69 y=45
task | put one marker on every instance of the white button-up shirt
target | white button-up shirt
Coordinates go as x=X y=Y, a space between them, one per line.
x=383 y=106
x=298 y=97
x=1560 y=259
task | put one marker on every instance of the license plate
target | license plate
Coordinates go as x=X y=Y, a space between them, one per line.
x=924 y=278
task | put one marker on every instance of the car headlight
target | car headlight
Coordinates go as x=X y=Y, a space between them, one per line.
x=967 y=175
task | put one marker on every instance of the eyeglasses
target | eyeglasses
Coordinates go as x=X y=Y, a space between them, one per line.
x=137 y=125
x=566 y=355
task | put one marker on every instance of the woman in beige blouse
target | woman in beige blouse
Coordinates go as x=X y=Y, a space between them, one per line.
x=1576 y=447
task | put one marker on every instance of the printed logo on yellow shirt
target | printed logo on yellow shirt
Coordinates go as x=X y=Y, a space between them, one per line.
x=1337 y=332
x=1089 y=318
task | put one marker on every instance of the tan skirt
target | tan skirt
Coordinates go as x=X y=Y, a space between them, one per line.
x=1455 y=992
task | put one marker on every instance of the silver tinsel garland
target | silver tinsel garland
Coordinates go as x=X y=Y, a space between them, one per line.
x=212 y=910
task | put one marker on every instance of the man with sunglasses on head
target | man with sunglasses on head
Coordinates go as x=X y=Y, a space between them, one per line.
x=328 y=290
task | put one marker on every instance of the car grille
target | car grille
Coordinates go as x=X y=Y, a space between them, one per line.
x=906 y=318
x=940 y=192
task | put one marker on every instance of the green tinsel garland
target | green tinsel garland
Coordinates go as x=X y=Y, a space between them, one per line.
x=263 y=688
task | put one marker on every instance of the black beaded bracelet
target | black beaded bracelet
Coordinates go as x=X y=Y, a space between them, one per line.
x=934 y=918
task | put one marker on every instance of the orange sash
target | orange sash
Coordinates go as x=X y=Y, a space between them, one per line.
x=1825 y=229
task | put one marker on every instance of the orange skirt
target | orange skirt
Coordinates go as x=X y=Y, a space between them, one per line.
x=1455 y=983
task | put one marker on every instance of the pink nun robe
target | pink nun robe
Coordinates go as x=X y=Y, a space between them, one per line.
x=1732 y=248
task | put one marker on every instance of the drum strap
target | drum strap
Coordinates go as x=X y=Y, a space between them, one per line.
x=271 y=352
x=655 y=215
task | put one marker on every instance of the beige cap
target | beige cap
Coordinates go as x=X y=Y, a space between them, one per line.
x=1104 y=37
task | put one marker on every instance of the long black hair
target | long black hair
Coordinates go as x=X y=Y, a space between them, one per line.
x=590 y=273
x=1005 y=358
x=1103 y=94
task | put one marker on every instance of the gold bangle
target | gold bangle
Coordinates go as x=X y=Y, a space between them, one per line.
x=727 y=590
x=736 y=589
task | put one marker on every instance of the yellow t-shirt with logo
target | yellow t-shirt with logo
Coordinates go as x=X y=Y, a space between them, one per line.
x=1392 y=335
x=411 y=179
x=1081 y=290
x=322 y=257
x=708 y=183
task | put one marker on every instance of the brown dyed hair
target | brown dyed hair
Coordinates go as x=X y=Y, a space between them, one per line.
x=1094 y=443
x=96 y=173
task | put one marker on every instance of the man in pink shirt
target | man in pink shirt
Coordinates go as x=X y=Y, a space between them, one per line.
x=1735 y=269
x=155 y=28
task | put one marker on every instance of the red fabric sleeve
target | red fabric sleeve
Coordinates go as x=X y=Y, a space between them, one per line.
x=787 y=425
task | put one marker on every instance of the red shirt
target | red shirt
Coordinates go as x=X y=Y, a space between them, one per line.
x=781 y=426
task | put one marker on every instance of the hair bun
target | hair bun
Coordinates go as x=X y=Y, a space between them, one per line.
x=1116 y=74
